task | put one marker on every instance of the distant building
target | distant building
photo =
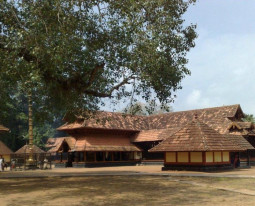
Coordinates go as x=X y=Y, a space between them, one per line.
x=4 y=150
x=108 y=138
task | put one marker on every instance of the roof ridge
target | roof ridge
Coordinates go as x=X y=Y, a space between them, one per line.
x=192 y=110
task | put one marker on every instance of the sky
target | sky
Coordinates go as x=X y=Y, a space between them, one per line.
x=222 y=64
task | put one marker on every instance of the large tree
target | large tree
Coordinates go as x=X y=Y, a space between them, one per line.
x=75 y=53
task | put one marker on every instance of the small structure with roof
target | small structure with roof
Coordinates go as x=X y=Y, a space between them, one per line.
x=5 y=152
x=196 y=146
x=3 y=129
x=22 y=155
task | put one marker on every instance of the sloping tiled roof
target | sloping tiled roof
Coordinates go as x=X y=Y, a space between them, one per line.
x=93 y=142
x=241 y=141
x=197 y=136
x=153 y=135
x=25 y=149
x=109 y=120
x=4 y=150
x=3 y=129
x=55 y=143
x=108 y=143
x=219 y=118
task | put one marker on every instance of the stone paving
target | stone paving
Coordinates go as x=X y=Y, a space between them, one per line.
x=124 y=170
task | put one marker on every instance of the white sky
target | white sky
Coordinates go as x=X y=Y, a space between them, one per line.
x=223 y=62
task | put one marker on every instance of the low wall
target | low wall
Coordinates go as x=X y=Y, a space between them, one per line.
x=197 y=167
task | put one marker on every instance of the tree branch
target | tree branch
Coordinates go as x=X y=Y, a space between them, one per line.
x=93 y=74
x=109 y=93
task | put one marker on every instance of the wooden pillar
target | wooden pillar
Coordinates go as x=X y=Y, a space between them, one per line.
x=204 y=157
x=248 y=158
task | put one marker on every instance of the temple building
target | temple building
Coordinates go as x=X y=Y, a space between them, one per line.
x=196 y=146
x=109 y=138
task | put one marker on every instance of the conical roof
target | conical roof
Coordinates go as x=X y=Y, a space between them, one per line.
x=25 y=149
x=4 y=150
x=197 y=136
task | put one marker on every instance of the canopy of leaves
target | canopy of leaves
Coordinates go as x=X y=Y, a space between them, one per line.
x=13 y=114
x=249 y=118
x=74 y=53
x=139 y=108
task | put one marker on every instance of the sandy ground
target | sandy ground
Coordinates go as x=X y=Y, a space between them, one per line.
x=125 y=170
x=125 y=190
x=127 y=185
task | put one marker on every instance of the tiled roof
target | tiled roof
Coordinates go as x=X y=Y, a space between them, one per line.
x=93 y=142
x=4 y=150
x=107 y=143
x=219 y=118
x=109 y=120
x=197 y=136
x=153 y=135
x=25 y=150
x=55 y=143
x=241 y=141
x=3 y=129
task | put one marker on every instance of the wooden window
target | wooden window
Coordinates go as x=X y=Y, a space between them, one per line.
x=225 y=156
x=170 y=156
x=183 y=157
x=209 y=156
x=196 y=157
x=217 y=157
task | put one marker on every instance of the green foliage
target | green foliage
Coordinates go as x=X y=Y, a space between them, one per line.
x=249 y=118
x=14 y=115
x=146 y=109
x=72 y=54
